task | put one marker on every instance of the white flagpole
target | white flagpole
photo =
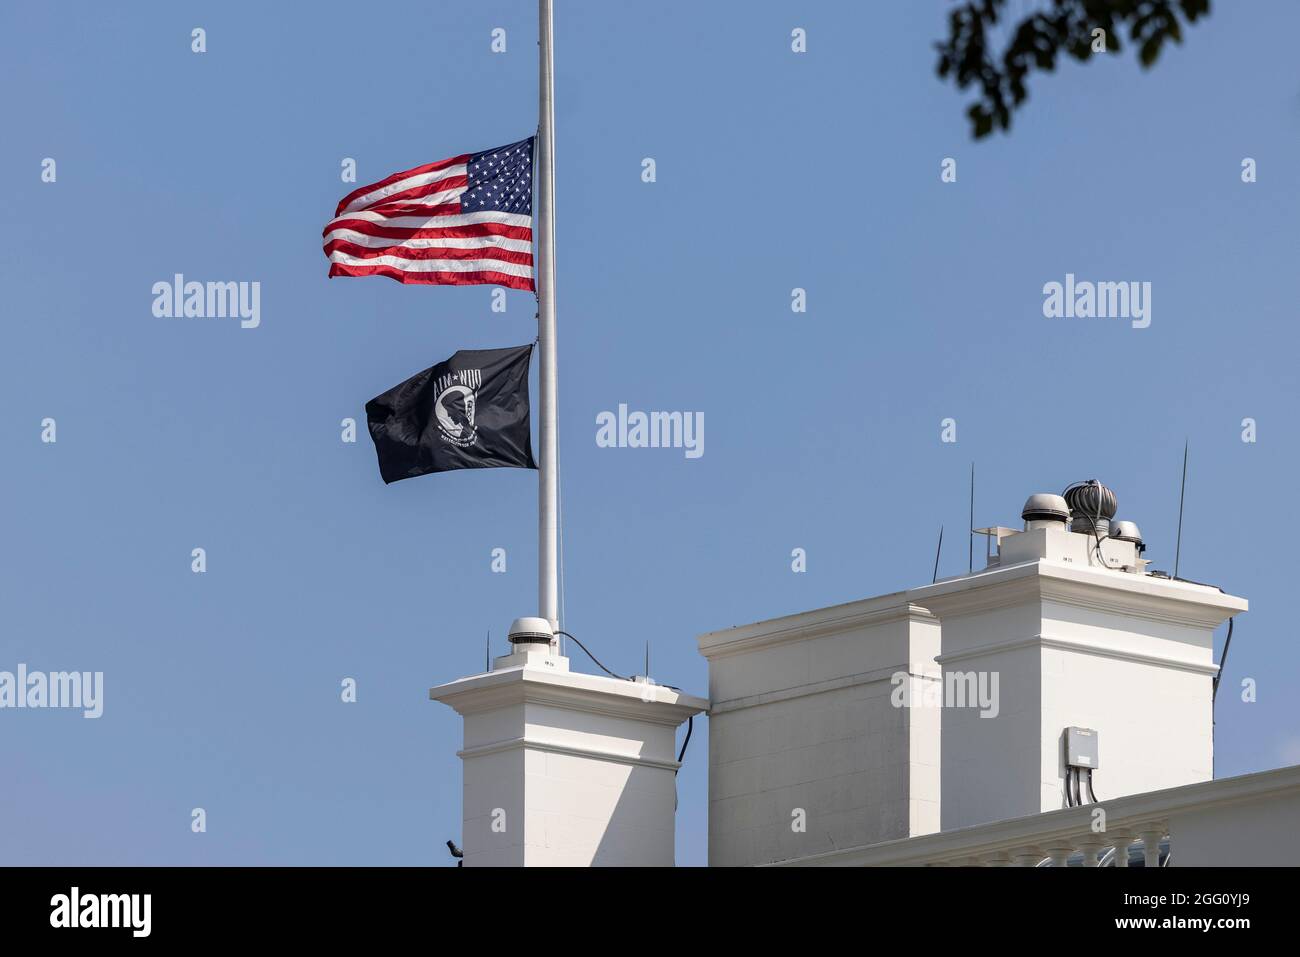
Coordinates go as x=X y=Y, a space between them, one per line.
x=548 y=583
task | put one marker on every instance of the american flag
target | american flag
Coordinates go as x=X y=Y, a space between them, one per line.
x=460 y=221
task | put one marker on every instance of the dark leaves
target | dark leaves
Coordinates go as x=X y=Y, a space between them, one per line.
x=1065 y=26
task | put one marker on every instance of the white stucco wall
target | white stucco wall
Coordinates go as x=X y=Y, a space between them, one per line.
x=1127 y=655
x=802 y=731
x=565 y=769
x=1261 y=832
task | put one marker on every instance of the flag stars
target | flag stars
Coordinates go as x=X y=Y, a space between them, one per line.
x=501 y=180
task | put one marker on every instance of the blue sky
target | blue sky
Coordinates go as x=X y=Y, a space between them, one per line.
x=774 y=171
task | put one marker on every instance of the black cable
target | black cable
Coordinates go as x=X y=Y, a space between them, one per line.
x=1092 y=795
x=1192 y=581
x=1096 y=522
x=1096 y=533
x=592 y=657
x=1097 y=548
x=1069 y=777
x=1078 y=798
x=1157 y=573
x=1101 y=555
x=690 y=721
x=690 y=725
x=1223 y=663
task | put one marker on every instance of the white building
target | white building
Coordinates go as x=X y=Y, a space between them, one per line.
x=1055 y=706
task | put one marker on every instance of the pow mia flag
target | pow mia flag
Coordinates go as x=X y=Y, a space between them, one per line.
x=469 y=412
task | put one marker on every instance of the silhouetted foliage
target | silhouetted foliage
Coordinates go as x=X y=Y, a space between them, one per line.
x=1062 y=25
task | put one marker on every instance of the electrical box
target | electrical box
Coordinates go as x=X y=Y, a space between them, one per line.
x=1081 y=748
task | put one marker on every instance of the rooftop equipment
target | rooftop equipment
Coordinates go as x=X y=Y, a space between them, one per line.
x=526 y=631
x=1128 y=532
x=1045 y=509
x=1092 y=506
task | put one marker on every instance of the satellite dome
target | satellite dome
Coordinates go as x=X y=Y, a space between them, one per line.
x=530 y=630
x=1045 y=507
x=1127 y=532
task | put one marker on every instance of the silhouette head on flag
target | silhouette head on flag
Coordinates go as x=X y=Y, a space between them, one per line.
x=469 y=412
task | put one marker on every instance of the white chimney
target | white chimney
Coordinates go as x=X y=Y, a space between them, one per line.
x=809 y=752
x=1072 y=633
x=562 y=768
x=811 y=748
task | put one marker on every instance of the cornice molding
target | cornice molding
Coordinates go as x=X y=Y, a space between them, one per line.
x=1139 y=596
x=809 y=625
x=552 y=747
x=728 y=705
x=1082 y=647
x=588 y=694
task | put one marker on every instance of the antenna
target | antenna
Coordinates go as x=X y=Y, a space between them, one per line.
x=487 y=652
x=647 y=657
x=970 y=548
x=937 y=552
x=1182 y=492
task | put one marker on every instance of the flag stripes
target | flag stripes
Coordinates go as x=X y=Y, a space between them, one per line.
x=460 y=221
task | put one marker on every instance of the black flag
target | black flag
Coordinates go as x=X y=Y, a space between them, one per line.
x=470 y=412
